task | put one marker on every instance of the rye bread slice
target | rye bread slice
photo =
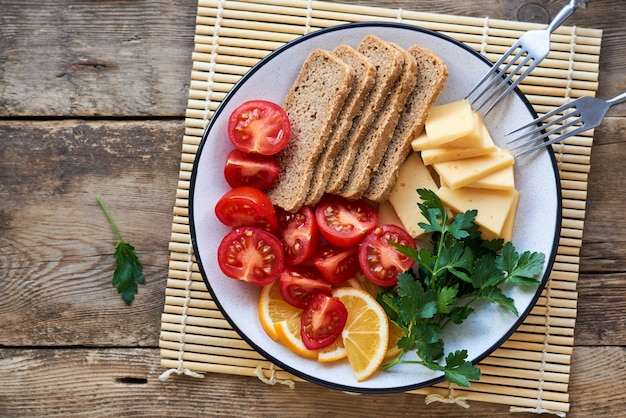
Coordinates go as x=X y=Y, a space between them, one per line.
x=312 y=104
x=431 y=79
x=374 y=145
x=365 y=75
x=388 y=63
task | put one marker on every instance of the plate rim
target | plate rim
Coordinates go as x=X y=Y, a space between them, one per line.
x=550 y=259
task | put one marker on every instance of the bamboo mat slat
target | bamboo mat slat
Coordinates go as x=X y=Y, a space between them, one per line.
x=530 y=371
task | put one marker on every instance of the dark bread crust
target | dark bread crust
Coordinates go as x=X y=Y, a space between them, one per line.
x=431 y=79
x=313 y=104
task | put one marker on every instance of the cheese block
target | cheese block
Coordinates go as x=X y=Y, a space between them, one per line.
x=451 y=153
x=493 y=206
x=449 y=121
x=404 y=198
x=421 y=142
x=460 y=173
x=500 y=180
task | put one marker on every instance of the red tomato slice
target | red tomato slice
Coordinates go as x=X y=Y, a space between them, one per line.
x=298 y=285
x=322 y=321
x=252 y=255
x=337 y=264
x=254 y=170
x=345 y=223
x=259 y=126
x=298 y=233
x=246 y=206
x=380 y=261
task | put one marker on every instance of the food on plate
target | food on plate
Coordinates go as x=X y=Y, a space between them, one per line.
x=432 y=74
x=274 y=309
x=259 y=126
x=315 y=99
x=322 y=321
x=374 y=144
x=248 y=169
x=365 y=75
x=344 y=223
x=380 y=260
x=298 y=232
x=246 y=206
x=299 y=284
x=366 y=332
x=337 y=264
x=252 y=255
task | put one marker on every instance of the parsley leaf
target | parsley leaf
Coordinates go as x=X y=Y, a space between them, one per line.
x=128 y=268
x=461 y=269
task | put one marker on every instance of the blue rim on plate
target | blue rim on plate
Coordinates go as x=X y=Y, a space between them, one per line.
x=539 y=178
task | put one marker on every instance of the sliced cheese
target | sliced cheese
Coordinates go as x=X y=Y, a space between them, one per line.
x=460 y=173
x=500 y=180
x=413 y=175
x=474 y=139
x=449 y=121
x=493 y=206
x=507 y=228
x=451 y=153
x=421 y=142
x=387 y=214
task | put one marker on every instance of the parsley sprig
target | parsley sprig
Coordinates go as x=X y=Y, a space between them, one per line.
x=460 y=270
x=128 y=268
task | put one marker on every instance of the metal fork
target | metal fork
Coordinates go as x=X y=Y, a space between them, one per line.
x=533 y=47
x=583 y=113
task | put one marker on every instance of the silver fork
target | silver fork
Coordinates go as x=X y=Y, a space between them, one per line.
x=533 y=47
x=581 y=114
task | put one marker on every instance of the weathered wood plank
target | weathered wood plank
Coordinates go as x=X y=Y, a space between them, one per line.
x=128 y=58
x=124 y=381
x=56 y=246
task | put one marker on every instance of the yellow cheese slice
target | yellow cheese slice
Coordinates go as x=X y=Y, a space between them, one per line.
x=449 y=121
x=460 y=173
x=388 y=215
x=413 y=175
x=507 y=228
x=421 y=142
x=474 y=139
x=493 y=206
x=500 y=180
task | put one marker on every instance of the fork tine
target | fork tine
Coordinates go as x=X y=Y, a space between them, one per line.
x=516 y=82
x=544 y=117
x=494 y=68
x=553 y=140
x=555 y=132
x=500 y=80
x=542 y=127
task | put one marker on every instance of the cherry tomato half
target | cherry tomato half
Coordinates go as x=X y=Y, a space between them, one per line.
x=298 y=233
x=298 y=285
x=345 y=223
x=246 y=206
x=322 y=321
x=254 y=170
x=259 y=126
x=252 y=255
x=380 y=261
x=337 y=264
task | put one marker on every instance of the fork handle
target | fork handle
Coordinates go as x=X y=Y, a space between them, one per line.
x=617 y=99
x=565 y=13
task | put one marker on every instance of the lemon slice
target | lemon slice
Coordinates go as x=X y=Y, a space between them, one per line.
x=288 y=332
x=273 y=309
x=366 y=334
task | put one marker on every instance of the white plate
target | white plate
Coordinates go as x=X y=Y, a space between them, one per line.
x=537 y=225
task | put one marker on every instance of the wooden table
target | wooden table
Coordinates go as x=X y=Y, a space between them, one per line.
x=92 y=101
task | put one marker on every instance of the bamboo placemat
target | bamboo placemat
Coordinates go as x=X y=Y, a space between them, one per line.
x=530 y=371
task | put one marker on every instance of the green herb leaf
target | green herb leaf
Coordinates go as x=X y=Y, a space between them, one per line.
x=128 y=268
x=460 y=371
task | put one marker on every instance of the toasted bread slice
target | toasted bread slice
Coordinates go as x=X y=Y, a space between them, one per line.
x=431 y=79
x=312 y=104
x=365 y=75
x=376 y=141
x=388 y=62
